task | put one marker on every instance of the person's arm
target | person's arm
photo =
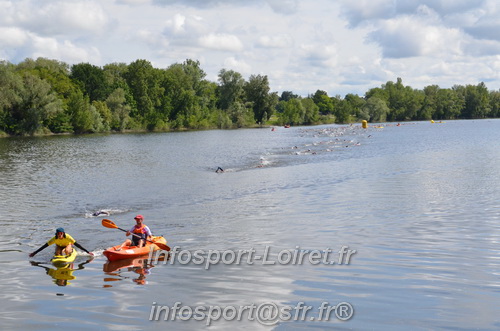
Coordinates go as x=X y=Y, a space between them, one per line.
x=38 y=250
x=148 y=233
x=83 y=249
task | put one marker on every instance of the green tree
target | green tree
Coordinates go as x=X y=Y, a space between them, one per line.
x=324 y=102
x=190 y=99
x=263 y=102
x=196 y=75
x=311 y=111
x=204 y=99
x=378 y=92
x=414 y=101
x=230 y=88
x=293 y=113
x=37 y=104
x=83 y=116
x=10 y=87
x=404 y=102
x=90 y=79
x=44 y=95
x=356 y=104
x=287 y=95
x=105 y=115
x=429 y=108
x=343 y=110
x=476 y=101
x=114 y=75
x=495 y=103
x=241 y=114
x=144 y=82
x=449 y=104
x=280 y=106
x=120 y=110
x=54 y=72
x=377 y=109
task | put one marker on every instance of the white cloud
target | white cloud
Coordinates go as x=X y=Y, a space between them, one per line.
x=176 y=25
x=184 y=30
x=278 y=6
x=339 y=46
x=284 y=6
x=480 y=48
x=152 y=38
x=134 y=2
x=59 y=17
x=442 y=72
x=237 y=65
x=8 y=10
x=278 y=41
x=221 y=41
x=28 y=44
x=484 y=23
x=53 y=49
x=81 y=16
x=369 y=11
x=410 y=36
x=489 y=31
x=360 y=11
x=319 y=56
x=12 y=37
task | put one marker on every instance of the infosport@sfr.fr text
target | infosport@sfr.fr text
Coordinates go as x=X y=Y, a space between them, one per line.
x=266 y=313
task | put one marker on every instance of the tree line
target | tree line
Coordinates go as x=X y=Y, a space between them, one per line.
x=45 y=96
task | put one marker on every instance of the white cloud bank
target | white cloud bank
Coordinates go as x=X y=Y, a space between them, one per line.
x=340 y=46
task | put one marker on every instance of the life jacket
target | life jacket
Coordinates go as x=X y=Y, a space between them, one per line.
x=140 y=230
x=62 y=242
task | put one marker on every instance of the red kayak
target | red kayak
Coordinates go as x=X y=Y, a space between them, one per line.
x=127 y=252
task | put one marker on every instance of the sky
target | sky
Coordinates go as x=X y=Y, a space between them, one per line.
x=338 y=46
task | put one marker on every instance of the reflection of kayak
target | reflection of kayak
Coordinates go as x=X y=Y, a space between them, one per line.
x=64 y=270
x=62 y=275
x=138 y=265
x=61 y=259
x=128 y=252
x=135 y=262
x=113 y=266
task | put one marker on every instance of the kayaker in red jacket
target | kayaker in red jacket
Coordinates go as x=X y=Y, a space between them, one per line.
x=140 y=233
x=64 y=244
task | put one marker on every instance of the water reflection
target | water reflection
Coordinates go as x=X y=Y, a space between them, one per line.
x=418 y=202
x=136 y=268
x=61 y=273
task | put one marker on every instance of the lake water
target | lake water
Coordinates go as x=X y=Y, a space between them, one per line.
x=419 y=204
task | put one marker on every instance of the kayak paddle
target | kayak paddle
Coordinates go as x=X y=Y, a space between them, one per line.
x=109 y=224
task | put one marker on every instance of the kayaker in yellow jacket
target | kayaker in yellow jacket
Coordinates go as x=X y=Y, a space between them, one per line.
x=140 y=233
x=64 y=244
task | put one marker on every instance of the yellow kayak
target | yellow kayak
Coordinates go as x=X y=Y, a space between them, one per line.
x=65 y=258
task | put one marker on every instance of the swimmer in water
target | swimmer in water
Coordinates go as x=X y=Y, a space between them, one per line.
x=101 y=213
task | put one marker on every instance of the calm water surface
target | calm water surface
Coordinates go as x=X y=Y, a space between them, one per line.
x=420 y=204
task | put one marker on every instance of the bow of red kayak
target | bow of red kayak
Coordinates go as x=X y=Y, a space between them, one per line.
x=115 y=253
